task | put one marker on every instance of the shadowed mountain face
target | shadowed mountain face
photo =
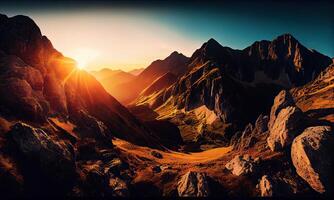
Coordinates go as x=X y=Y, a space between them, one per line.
x=159 y=84
x=240 y=84
x=37 y=81
x=175 y=63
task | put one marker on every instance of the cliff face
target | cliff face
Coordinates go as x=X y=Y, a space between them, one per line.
x=37 y=82
x=240 y=84
x=284 y=59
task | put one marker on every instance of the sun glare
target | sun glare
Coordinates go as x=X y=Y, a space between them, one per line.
x=81 y=64
x=84 y=57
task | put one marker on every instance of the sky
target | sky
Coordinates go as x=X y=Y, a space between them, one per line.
x=132 y=34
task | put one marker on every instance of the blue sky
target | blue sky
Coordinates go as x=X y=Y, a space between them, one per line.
x=132 y=35
x=239 y=24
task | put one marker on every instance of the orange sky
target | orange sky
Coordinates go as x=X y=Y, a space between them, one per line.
x=118 y=40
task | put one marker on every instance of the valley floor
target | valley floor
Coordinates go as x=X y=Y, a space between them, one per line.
x=172 y=157
x=161 y=175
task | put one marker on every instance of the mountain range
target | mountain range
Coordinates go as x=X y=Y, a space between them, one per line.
x=222 y=123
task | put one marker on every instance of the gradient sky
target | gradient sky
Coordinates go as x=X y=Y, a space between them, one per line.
x=132 y=34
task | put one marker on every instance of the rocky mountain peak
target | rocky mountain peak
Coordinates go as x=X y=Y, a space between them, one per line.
x=212 y=43
x=23 y=23
x=211 y=51
x=175 y=53
x=175 y=57
x=211 y=46
x=286 y=37
x=20 y=36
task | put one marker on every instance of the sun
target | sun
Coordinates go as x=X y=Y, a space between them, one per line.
x=84 y=57
x=81 y=64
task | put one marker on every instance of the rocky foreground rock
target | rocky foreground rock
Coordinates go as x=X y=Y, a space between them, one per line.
x=286 y=121
x=311 y=154
x=266 y=186
x=193 y=184
x=282 y=100
x=55 y=158
x=288 y=124
x=241 y=165
x=250 y=135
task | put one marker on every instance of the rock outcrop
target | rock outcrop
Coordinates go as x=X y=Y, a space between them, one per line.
x=55 y=158
x=266 y=186
x=118 y=187
x=286 y=121
x=241 y=165
x=250 y=135
x=282 y=100
x=193 y=184
x=311 y=155
x=91 y=127
x=289 y=123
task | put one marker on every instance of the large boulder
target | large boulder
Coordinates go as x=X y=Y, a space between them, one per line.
x=193 y=184
x=282 y=100
x=89 y=126
x=99 y=180
x=241 y=165
x=288 y=124
x=311 y=155
x=54 y=158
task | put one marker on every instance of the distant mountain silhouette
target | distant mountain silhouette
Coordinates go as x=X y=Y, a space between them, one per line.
x=175 y=63
x=111 y=78
x=136 y=72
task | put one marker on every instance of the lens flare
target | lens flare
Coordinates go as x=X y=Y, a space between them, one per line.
x=84 y=57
